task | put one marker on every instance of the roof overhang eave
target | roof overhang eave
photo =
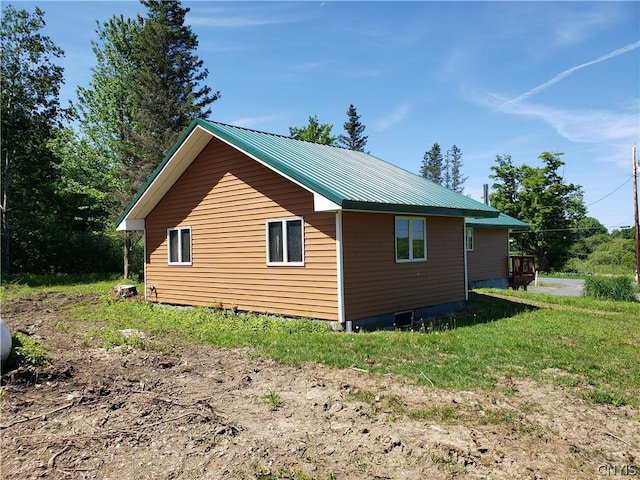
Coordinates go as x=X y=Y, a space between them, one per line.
x=130 y=224
x=418 y=209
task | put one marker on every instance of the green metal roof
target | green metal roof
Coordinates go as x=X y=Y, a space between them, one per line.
x=351 y=180
x=503 y=221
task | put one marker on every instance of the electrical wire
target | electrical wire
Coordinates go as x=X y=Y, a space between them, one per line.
x=612 y=192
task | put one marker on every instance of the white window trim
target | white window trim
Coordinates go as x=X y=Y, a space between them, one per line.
x=395 y=239
x=179 y=230
x=466 y=238
x=285 y=261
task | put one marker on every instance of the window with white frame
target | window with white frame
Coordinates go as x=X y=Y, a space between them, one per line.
x=179 y=242
x=285 y=241
x=469 y=239
x=411 y=239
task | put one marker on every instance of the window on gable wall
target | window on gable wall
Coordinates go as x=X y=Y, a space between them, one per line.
x=469 y=239
x=411 y=239
x=179 y=242
x=285 y=241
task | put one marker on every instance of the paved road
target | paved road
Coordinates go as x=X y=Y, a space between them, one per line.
x=567 y=287
x=561 y=286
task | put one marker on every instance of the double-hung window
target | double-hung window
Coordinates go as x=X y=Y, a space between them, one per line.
x=468 y=239
x=411 y=239
x=285 y=241
x=179 y=241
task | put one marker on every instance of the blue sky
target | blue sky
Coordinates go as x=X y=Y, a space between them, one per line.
x=514 y=78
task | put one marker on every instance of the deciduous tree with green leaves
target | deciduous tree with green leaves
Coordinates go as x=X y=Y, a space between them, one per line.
x=540 y=197
x=30 y=115
x=314 y=132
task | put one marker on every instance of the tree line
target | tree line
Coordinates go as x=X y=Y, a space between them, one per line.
x=69 y=171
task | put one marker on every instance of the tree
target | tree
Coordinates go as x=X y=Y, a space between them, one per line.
x=146 y=87
x=540 y=197
x=454 y=169
x=432 y=164
x=30 y=113
x=106 y=107
x=168 y=88
x=108 y=114
x=354 y=140
x=314 y=132
x=447 y=170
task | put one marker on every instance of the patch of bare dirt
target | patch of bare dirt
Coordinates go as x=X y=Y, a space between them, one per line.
x=201 y=412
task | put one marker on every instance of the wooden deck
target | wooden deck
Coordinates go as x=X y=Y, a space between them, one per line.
x=522 y=271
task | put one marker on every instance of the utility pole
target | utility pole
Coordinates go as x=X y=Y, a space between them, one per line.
x=635 y=210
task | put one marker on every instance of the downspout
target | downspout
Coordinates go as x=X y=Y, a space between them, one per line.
x=340 y=273
x=144 y=260
x=466 y=272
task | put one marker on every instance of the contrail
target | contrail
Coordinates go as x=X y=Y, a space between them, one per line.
x=568 y=72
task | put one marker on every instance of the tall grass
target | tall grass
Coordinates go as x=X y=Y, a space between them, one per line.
x=618 y=288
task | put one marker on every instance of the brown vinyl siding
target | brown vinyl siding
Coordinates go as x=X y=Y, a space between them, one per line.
x=489 y=257
x=374 y=283
x=226 y=198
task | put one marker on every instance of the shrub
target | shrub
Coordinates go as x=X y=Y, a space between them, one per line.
x=26 y=351
x=619 y=288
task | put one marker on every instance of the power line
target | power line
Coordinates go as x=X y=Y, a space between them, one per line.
x=612 y=192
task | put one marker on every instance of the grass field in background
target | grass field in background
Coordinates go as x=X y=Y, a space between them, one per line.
x=590 y=346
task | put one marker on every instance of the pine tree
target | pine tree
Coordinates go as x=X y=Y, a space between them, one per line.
x=168 y=90
x=354 y=128
x=432 y=164
x=455 y=165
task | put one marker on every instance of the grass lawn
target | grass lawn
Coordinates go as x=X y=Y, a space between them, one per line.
x=589 y=345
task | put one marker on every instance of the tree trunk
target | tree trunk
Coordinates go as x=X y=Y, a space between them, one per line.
x=126 y=255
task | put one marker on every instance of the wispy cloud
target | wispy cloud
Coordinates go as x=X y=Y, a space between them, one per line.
x=392 y=118
x=234 y=21
x=253 y=122
x=566 y=73
x=231 y=17
x=576 y=24
x=583 y=126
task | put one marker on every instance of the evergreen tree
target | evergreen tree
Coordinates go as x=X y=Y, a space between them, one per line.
x=167 y=89
x=30 y=114
x=432 y=164
x=147 y=86
x=454 y=169
x=354 y=140
x=314 y=132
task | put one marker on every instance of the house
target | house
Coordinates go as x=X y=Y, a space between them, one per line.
x=487 y=245
x=266 y=223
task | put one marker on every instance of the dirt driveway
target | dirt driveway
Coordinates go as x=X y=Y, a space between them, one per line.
x=200 y=412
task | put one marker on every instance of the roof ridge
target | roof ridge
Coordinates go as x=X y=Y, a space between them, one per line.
x=279 y=135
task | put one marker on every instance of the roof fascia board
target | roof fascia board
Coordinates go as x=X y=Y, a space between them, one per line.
x=179 y=143
x=131 y=224
x=417 y=209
